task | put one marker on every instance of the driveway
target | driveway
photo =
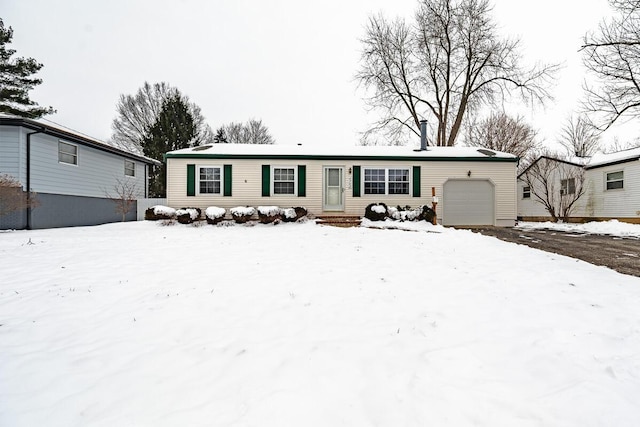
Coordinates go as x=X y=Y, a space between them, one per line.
x=618 y=253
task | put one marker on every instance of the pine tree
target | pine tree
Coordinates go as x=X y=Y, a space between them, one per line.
x=174 y=129
x=221 y=136
x=16 y=80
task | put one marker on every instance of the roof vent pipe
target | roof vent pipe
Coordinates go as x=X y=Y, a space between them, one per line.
x=423 y=135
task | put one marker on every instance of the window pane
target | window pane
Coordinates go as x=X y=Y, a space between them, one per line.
x=615 y=176
x=614 y=184
x=209 y=180
x=399 y=175
x=129 y=168
x=374 y=181
x=283 y=188
x=398 y=188
x=333 y=177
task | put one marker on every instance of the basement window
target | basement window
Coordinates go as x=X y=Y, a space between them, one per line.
x=615 y=180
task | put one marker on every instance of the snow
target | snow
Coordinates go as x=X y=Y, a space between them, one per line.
x=612 y=227
x=193 y=213
x=242 y=211
x=378 y=209
x=163 y=210
x=269 y=210
x=214 y=212
x=332 y=151
x=289 y=212
x=307 y=325
x=600 y=159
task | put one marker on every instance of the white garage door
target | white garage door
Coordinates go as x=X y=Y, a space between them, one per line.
x=468 y=202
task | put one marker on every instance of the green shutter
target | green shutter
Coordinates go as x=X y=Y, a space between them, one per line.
x=227 y=180
x=356 y=181
x=416 y=181
x=302 y=181
x=191 y=180
x=266 y=180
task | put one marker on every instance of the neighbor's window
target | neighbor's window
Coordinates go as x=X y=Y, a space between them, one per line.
x=568 y=186
x=615 y=180
x=526 y=192
x=129 y=168
x=386 y=181
x=67 y=153
x=284 y=180
x=209 y=178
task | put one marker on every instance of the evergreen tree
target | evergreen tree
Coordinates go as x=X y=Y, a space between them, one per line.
x=221 y=136
x=16 y=80
x=175 y=128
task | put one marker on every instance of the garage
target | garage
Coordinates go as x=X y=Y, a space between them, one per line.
x=468 y=202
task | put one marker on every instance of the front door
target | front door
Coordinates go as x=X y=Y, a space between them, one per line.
x=333 y=198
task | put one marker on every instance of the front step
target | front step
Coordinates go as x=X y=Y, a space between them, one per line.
x=339 y=220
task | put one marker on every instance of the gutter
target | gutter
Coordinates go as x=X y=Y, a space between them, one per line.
x=28 y=184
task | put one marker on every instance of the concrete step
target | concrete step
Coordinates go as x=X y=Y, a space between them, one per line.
x=339 y=220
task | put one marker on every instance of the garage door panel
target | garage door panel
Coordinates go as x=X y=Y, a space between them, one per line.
x=468 y=202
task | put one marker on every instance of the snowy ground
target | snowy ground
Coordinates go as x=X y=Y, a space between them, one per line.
x=139 y=324
x=613 y=227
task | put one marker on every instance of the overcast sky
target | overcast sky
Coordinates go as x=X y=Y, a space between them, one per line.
x=288 y=62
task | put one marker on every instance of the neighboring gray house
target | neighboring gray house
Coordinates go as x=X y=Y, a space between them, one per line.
x=71 y=174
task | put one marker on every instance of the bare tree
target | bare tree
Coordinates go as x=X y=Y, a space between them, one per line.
x=124 y=194
x=251 y=132
x=617 y=145
x=579 y=137
x=612 y=55
x=448 y=63
x=12 y=198
x=502 y=132
x=555 y=183
x=138 y=113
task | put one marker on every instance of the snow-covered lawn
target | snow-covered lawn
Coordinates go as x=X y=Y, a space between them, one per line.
x=139 y=324
x=613 y=227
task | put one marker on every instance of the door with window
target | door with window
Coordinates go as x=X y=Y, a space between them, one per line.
x=333 y=198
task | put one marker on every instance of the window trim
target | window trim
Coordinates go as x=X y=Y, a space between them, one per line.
x=75 y=156
x=127 y=161
x=387 y=182
x=219 y=167
x=526 y=191
x=607 y=181
x=272 y=184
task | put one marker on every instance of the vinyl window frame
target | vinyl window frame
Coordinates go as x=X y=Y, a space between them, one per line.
x=129 y=166
x=371 y=182
x=219 y=180
x=278 y=183
x=567 y=186
x=526 y=192
x=611 y=183
x=72 y=154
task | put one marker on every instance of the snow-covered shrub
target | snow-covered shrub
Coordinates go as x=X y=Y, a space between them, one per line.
x=406 y=213
x=376 y=212
x=269 y=214
x=427 y=214
x=293 y=214
x=187 y=215
x=157 y=212
x=214 y=214
x=242 y=214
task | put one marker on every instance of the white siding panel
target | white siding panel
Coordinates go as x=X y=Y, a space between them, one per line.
x=11 y=152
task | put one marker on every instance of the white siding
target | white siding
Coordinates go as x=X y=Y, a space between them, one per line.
x=12 y=153
x=618 y=203
x=247 y=184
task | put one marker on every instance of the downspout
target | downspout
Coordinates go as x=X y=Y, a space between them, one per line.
x=29 y=176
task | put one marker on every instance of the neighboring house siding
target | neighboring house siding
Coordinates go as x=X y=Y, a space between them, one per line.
x=617 y=203
x=95 y=175
x=247 y=179
x=11 y=152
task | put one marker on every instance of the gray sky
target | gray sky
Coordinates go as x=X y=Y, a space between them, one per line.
x=288 y=62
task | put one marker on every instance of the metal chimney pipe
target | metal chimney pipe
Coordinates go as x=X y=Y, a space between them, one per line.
x=423 y=135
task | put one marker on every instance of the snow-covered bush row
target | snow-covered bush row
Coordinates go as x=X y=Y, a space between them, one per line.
x=269 y=214
x=158 y=212
x=242 y=214
x=380 y=212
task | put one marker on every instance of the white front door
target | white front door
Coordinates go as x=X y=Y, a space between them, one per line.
x=333 y=198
